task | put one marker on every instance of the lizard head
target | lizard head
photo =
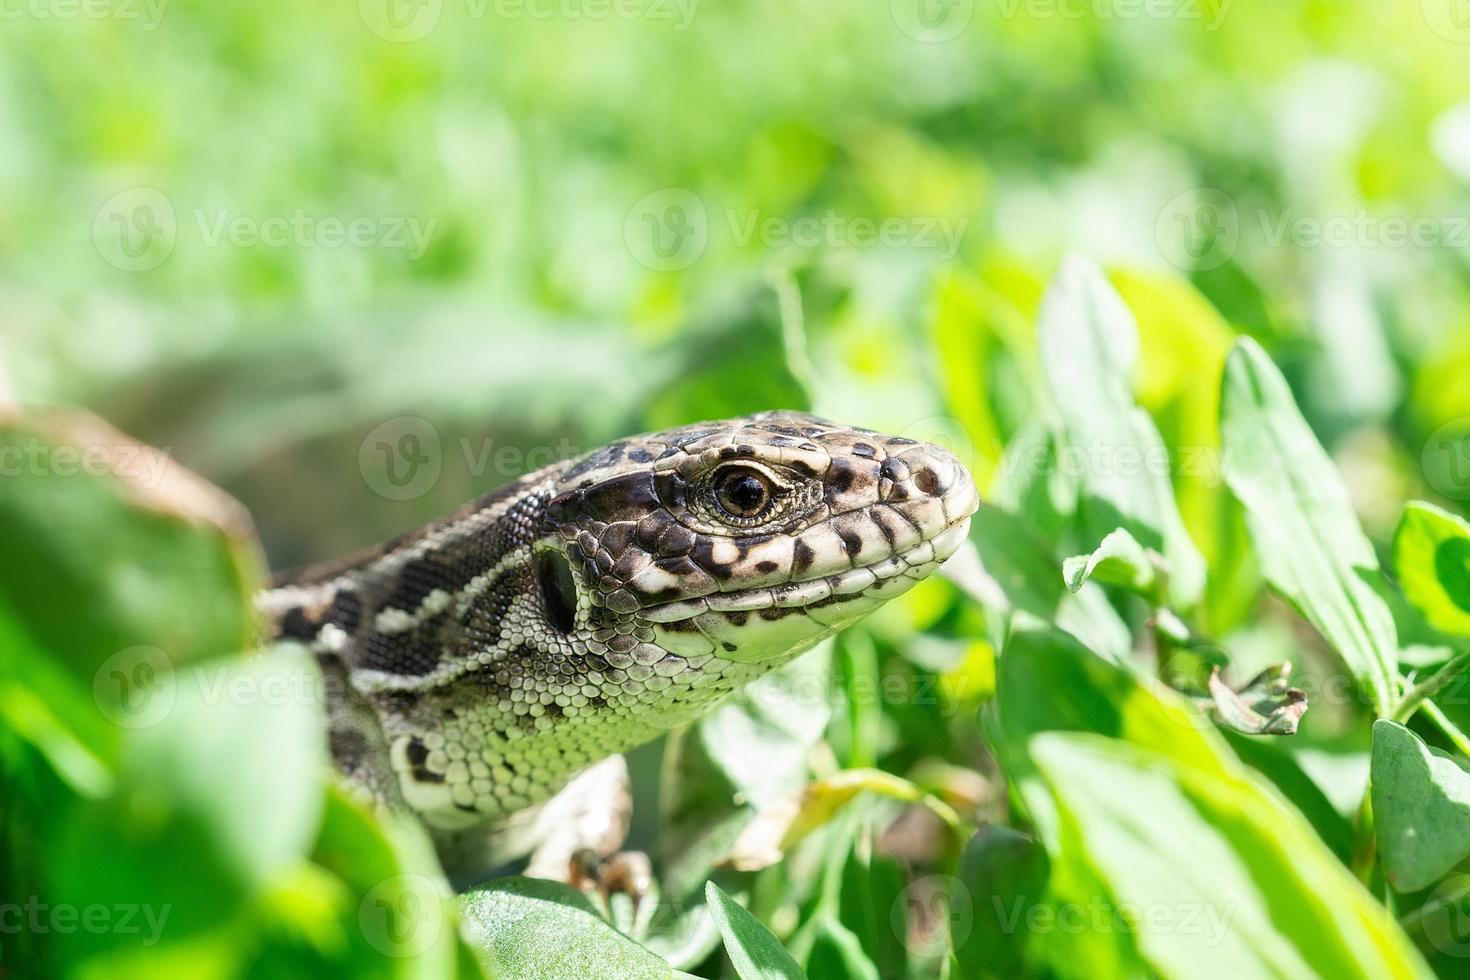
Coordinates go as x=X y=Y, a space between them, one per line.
x=744 y=541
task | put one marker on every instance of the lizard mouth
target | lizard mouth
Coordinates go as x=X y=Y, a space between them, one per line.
x=878 y=580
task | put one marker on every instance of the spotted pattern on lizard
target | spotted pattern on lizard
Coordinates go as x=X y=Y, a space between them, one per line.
x=481 y=662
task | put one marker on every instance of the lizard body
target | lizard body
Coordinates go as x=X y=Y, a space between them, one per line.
x=477 y=665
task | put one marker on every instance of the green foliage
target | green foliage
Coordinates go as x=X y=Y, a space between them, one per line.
x=1311 y=547
x=754 y=952
x=525 y=928
x=1431 y=554
x=1038 y=767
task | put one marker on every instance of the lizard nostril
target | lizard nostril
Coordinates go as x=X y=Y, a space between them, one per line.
x=927 y=480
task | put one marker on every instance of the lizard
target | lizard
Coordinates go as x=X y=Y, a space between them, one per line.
x=484 y=672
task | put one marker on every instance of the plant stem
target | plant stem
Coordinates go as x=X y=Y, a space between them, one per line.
x=1428 y=688
x=1451 y=730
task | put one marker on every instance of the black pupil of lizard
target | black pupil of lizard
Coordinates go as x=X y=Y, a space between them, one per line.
x=743 y=494
x=559 y=590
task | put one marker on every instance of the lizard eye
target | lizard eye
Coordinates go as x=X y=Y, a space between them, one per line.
x=558 y=589
x=743 y=493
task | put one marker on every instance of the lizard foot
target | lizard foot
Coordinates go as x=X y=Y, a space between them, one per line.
x=626 y=873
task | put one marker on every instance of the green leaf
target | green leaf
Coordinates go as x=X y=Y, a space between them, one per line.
x=1198 y=861
x=1032 y=483
x=837 y=952
x=1311 y=547
x=527 y=928
x=156 y=556
x=218 y=798
x=1271 y=759
x=1029 y=580
x=1047 y=682
x=1118 y=560
x=1431 y=556
x=398 y=912
x=1421 y=808
x=754 y=952
x=1003 y=874
x=1089 y=350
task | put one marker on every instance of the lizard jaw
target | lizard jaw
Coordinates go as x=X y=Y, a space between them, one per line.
x=882 y=579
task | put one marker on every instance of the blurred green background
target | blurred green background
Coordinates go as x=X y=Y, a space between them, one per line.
x=288 y=242
x=252 y=234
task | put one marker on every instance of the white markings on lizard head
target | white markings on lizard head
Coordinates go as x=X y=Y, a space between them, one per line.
x=755 y=538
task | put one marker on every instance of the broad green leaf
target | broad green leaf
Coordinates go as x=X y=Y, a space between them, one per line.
x=1089 y=350
x=41 y=703
x=153 y=554
x=870 y=899
x=1270 y=758
x=1002 y=877
x=398 y=916
x=1048 y=681
x=1032 y=483
x=526 y=928
x=1311 y=548
x=1213 y=876
x=1030 y=582
x=755 y=953
x=1421 y=808
x=837 y=952
x=1117 y=560
x=1431 y=556
x=218 y=798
